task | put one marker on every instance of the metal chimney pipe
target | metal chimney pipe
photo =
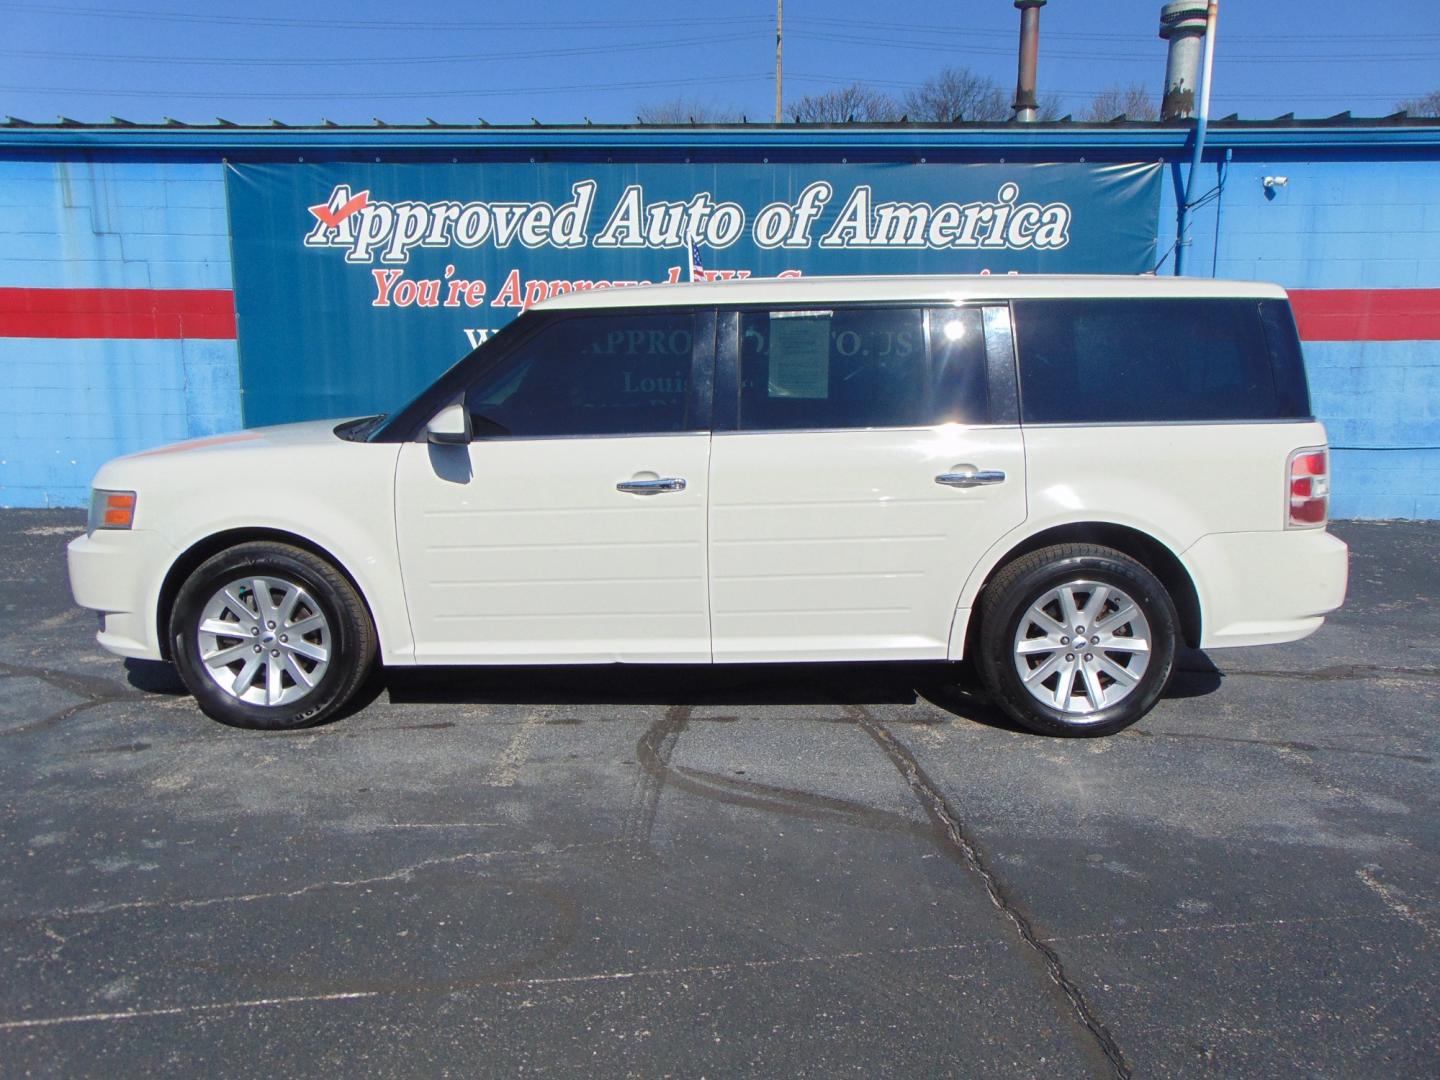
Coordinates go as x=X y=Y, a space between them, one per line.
x=1182 y=24
x=1025 y=103
x=1202 y=117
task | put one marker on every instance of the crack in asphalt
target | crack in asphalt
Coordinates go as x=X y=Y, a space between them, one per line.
x=1283 y=744
x=948 y=823
x=405 y=873
x=524 y=983
x=93 y=689
x=654 y=754
x=654 y=751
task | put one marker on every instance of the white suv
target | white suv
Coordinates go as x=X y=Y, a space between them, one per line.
x=1061 y=479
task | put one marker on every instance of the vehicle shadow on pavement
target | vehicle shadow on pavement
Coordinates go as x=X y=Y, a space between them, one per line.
x=154 y=677
x=740 y=685
x=662 y=684
x=694 y=685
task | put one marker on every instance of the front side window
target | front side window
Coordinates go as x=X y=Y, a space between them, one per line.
x=866 y=367
x=1149 y=361
x=606 y=374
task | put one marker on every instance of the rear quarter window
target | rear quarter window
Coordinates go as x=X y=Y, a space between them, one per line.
x=1156 y=361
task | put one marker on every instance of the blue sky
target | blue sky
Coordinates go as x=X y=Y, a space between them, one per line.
x=351 y=60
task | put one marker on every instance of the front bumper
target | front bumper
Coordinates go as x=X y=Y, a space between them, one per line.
x=118 y=573
x=1265 y=588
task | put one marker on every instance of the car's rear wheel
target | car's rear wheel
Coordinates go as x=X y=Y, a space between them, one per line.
x=270 y=636
x=1076 y=639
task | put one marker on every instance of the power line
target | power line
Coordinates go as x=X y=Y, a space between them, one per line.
x=364 y=95
x=366 y=24
x=1060 y=54
x=421 y=95
x=266 y=61
x=533 y=24
x=837 y=80
x=931 y=31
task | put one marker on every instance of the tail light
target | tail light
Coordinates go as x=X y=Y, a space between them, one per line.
x=1308 y=477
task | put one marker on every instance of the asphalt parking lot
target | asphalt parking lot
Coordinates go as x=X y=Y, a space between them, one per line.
x=778 y=871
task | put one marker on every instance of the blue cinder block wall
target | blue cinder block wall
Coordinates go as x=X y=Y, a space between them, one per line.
x=69 y=404
x=105 y=209
x=1338 y=223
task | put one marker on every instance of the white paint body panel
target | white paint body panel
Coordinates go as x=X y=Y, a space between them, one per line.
x=523 y=551
x=298 y=478
x=1184 y=484
x=840 y=545
x=1264 y=588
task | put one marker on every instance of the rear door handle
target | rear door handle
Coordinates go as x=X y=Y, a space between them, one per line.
x=651 y=487
x=969 y=478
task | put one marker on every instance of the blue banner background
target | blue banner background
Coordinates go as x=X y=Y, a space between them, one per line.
x=313 y=342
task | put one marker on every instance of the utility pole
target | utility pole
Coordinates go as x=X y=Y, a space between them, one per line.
x=779 y=41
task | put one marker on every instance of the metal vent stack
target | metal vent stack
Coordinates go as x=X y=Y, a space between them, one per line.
x=1182 y=24
x=1025 y=103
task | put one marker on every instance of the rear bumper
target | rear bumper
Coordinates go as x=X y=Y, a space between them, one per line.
x=118 y=573
x=1265 y=588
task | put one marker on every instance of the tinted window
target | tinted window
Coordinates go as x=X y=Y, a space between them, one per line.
x=861 y=367
x=612 y=374
x=1286 y=359
x=1092 y=361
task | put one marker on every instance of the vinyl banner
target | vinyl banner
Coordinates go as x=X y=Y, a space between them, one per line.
x=356 y=284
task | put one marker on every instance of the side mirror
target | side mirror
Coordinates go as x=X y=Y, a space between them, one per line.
x=450 y=426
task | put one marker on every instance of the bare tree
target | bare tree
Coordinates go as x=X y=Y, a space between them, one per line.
x=956 y=93
x=1426 y=105
x=854 y=102
x=1049 y=107
x=684 y=110
x=1133 y=101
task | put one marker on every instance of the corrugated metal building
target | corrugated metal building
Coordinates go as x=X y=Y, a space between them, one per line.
x=117 y=310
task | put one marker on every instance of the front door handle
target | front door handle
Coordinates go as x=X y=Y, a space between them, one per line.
x=651 y=487
x=969 y=478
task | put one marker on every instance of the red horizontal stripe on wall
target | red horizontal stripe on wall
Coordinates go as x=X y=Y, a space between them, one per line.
x=117 y=313
x=1321 y=314
x=1367 y=314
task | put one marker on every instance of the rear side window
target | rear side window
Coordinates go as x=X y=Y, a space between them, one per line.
x=861 y=368
x=1153 y=361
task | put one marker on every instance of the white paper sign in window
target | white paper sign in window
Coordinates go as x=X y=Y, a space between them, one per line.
x=800 y=356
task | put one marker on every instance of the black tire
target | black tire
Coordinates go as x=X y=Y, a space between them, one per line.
x=349 y=640
x=1026 y=581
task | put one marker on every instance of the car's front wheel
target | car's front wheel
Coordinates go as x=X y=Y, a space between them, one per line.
x=270 y=636
x=1076 y=639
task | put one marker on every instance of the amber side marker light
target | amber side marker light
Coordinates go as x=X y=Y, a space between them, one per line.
x=112 y=510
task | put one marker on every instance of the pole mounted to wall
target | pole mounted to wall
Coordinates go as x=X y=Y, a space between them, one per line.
x=1202 y=119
